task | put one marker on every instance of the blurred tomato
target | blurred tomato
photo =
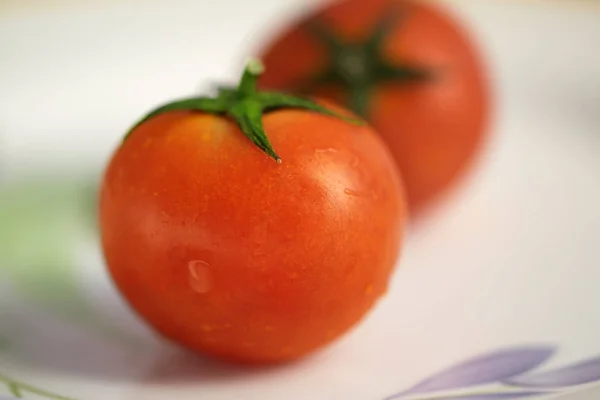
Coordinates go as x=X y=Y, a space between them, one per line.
x=406 y=66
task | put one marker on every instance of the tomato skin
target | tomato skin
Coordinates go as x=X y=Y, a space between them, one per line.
x=434 y=129
x=230 y=254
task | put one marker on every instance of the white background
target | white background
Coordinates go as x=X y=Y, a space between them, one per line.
x=512 y=259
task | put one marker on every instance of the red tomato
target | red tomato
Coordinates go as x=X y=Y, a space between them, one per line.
x=233 y=255
x=407 y=67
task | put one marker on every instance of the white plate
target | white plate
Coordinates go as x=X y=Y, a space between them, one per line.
x=505 y=272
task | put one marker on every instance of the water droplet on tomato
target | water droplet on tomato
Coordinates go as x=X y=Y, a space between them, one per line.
x=374 y=195
x=351 y=192
x=201 y=276
x=371 y=194
x=327 y=150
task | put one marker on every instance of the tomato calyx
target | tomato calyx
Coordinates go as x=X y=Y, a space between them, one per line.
x=359 y=67
x=246 y=105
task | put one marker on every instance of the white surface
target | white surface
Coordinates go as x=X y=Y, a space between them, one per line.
x=512 y=259
x=72 y=82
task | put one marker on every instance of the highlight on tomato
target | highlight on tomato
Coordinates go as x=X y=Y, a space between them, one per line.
x=408 y=67
x=252 y=226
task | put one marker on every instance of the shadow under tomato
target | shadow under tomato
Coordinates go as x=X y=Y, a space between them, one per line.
x=180 y=367
x=192 y=376
x=37 y=342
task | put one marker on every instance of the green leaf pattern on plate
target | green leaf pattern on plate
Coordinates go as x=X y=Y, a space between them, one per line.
x=18 y=388
x=41 y=221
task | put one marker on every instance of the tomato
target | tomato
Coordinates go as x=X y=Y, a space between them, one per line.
x=405 y=66
x=233 y=255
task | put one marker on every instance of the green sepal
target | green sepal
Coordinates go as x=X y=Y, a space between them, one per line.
x=206 y=104
x=368 y=54
x=274 y=101
x=246 y=106
x=248 y=116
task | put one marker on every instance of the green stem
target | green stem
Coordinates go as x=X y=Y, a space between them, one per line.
x=246 y=105
x=17 y=387
x=248 y=83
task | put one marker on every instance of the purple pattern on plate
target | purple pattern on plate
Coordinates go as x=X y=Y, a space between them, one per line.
x=492 y=396
x=489 y=368
x=570 y=375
